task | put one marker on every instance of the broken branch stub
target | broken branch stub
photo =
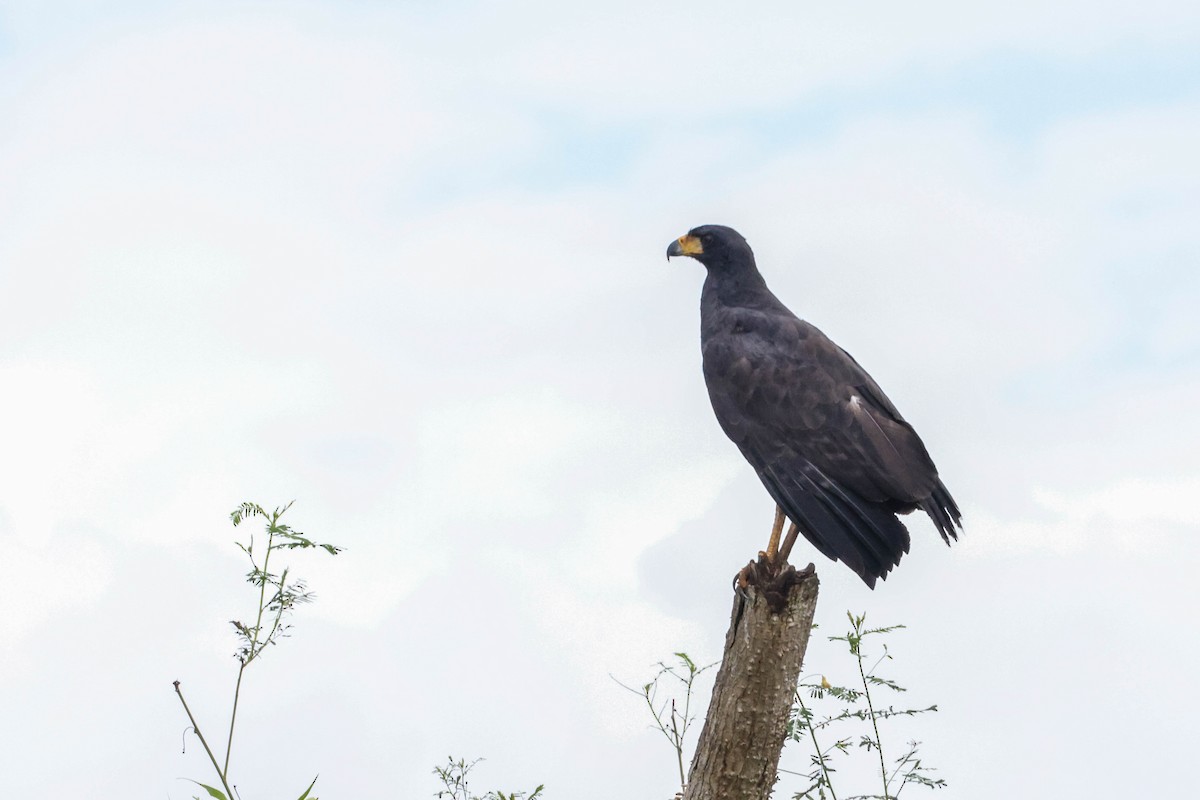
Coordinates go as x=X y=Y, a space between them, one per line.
x=737 y=756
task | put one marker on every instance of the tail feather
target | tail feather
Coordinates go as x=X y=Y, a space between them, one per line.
x=942 y=509
x=854 y=512
x=869 y=539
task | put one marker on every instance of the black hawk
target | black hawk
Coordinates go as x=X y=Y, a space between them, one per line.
x=828 y=445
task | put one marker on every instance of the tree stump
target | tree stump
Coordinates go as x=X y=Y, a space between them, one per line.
x=737 y=756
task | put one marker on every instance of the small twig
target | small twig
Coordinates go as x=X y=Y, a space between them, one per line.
x=679 y=743
x=203 y=741
x=812 y=733
x=262 y=593
x=237 y=690
x=871 y=709
x=904 y=761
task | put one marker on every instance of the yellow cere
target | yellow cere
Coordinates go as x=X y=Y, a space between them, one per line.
x=690 y=245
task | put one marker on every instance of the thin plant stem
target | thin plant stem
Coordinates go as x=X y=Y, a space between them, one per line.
x=676 y=734
x=232 y=719
x=203 y=741
x=679 y=743
x=874 y=723
x=254 y=649
x=687 y=698
x=812 y=733
x=896 y=771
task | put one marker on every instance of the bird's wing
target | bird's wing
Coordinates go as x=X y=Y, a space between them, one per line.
x=896 y=459
x=826 y=442
x=904 y=466
x=781 y=382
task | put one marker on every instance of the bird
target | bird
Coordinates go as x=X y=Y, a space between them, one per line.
x=828 y=445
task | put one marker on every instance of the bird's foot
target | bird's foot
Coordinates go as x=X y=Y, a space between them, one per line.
x=772 y=577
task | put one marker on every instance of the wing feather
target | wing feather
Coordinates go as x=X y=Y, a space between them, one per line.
x=828 y=444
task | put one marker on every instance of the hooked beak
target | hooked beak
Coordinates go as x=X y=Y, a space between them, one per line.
x=686 y=245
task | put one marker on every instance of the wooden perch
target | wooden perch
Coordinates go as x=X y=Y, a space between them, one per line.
x=737 y=757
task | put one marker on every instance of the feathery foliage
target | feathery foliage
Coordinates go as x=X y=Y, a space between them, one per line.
x=278 y=597
x=854 y=716
x=455 y=787
x=679 y=679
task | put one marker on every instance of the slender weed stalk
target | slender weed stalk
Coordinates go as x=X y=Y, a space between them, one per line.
x=455 y=786
x=858 y=705
x=854 y=639
x=277 y=599
x=820 y=758
x=680 y=680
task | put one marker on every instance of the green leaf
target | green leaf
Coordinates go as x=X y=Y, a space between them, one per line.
x=309 y=789
x=245 y=511
x=217 y=793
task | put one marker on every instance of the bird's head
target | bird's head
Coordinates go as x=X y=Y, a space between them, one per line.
x=713 y=245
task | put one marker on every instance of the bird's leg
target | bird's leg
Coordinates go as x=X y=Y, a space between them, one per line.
x=771 y=573
x=785 y=549
x=772 y=551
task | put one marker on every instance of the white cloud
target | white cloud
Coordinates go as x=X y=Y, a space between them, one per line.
x=1133 y=501
x=273 y=256
x=1132 y=515
x=41 y=580
x=602 y=634
x=499 y=453
x=288 y=101
x=696 y=60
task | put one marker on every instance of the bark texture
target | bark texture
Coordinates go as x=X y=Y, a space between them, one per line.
x=737 y=757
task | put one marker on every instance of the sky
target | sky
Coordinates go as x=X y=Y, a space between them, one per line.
x=403 y=264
